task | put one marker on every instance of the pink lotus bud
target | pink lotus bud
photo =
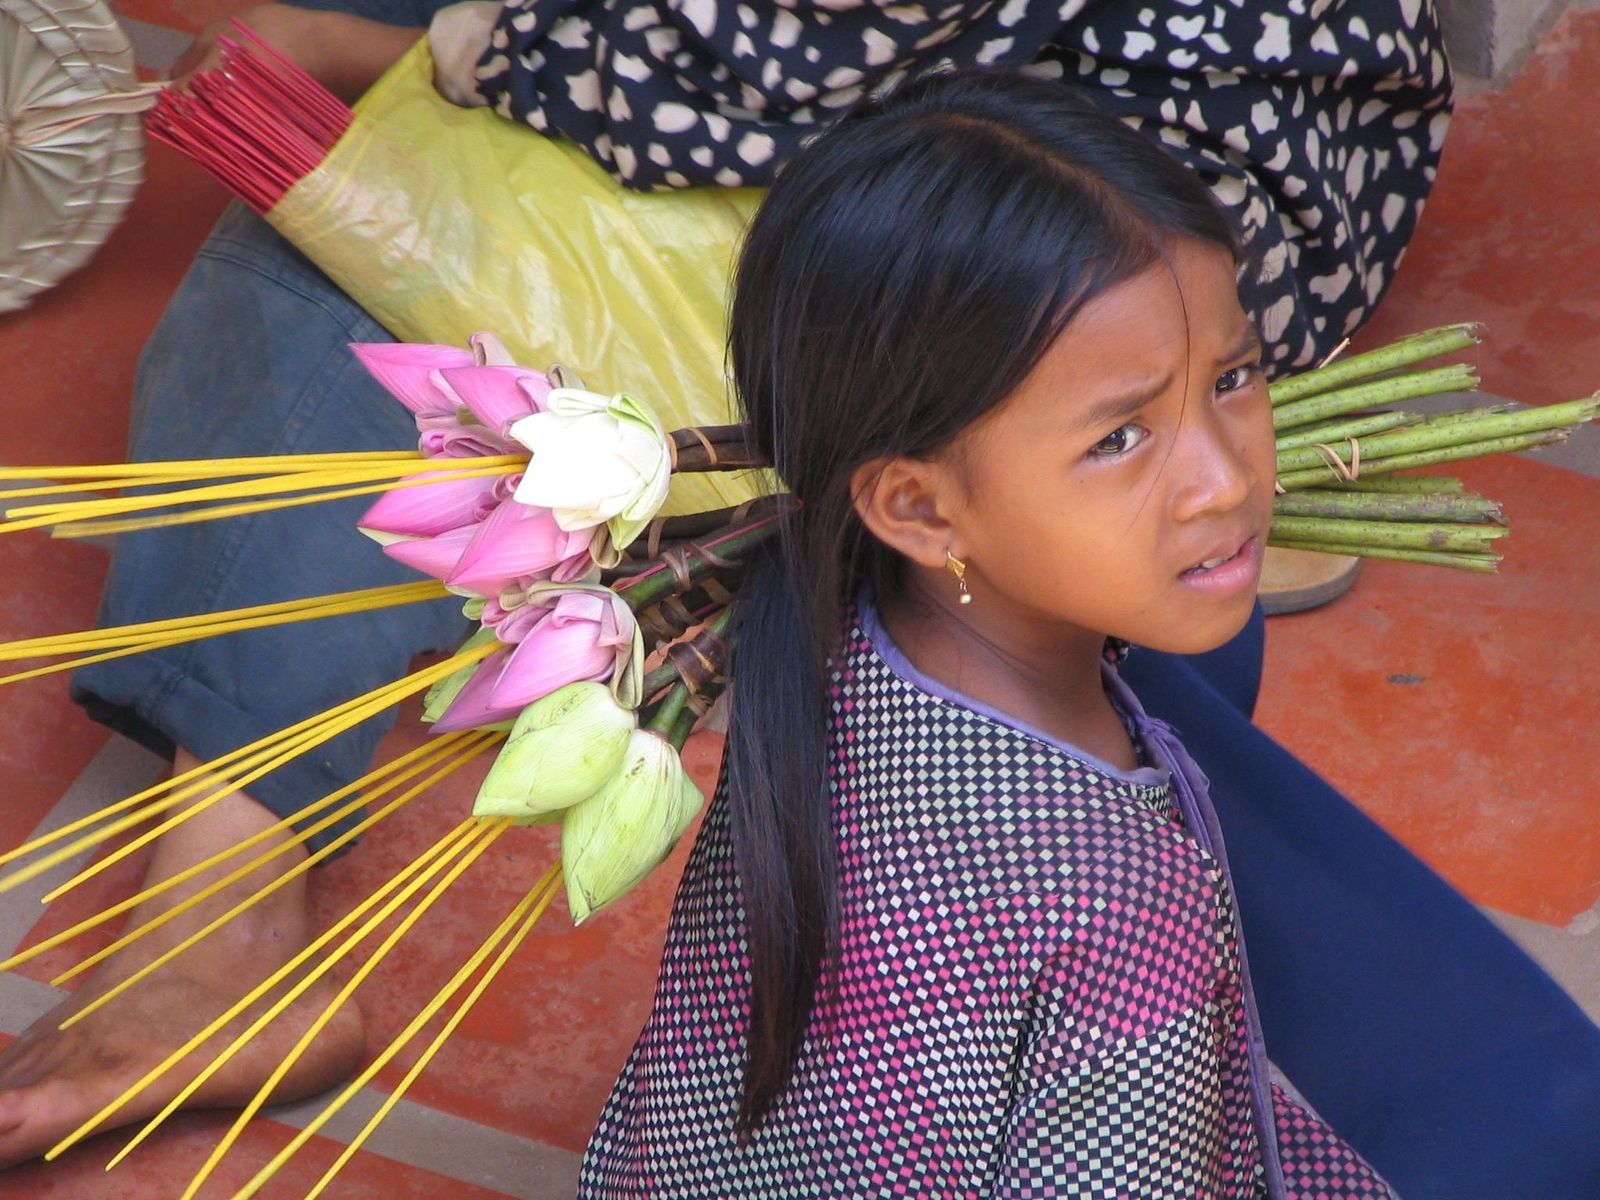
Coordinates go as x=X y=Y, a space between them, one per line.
x=436 y=556
x=518 y=541
x=490 y=351
x=473 y=705
x=404 y=368
x=458 y=435
x=498 y=396
x=429 y=509
x=583 y=635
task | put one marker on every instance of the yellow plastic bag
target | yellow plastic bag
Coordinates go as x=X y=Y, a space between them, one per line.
x=442 y=221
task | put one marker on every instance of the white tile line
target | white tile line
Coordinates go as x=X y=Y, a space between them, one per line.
x=412 y=1133
x=419 y=1136
x=449 y=1145
x=119 y=769
x=23 y=1001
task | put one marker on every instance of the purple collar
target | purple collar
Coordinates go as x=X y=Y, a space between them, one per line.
x=1139 y=725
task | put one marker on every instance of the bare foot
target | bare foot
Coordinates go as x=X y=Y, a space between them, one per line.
x=52 y=1080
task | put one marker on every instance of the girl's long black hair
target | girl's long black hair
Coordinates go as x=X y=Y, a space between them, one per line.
x=905 y=273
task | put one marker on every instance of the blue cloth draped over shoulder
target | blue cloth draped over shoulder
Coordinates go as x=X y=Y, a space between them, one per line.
x=1427 y=1038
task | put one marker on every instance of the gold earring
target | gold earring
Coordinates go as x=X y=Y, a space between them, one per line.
x=959 y=570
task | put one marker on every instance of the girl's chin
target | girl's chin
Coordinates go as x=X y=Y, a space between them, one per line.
x=1200 y=637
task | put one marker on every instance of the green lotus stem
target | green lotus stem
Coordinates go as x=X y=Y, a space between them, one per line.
x=687 y=719
x=675 y=718
x=1381 y=507
x=1403 y=484
x=1334 y=431
x=658 y=678
x=665 y=716
x=1320 y=476
x=668 y=672
x=1459 y=416
x=1485 y=563
x=1379 y=393
x=658 y=581
x=1427 y=344
x=1450 y=429
x=714 y=448
x=1403 y=534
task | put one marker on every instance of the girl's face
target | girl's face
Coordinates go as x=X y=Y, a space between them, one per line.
x=1126 y=486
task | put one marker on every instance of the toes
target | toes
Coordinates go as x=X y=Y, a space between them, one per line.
x=31 y=1121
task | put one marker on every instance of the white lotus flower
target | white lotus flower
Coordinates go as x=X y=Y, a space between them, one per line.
x=597 y=460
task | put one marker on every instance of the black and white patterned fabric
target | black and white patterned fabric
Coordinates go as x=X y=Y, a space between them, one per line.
x=1037 y=991
x=1317 y=123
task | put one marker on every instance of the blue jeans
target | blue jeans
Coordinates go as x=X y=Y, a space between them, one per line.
x=249 y=359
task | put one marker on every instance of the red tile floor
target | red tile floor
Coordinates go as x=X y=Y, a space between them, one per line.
x=1448 y=706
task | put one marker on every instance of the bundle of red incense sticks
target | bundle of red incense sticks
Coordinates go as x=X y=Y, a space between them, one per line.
x=258 y=123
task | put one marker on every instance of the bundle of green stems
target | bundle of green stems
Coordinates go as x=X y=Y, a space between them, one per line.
x=1340 y=445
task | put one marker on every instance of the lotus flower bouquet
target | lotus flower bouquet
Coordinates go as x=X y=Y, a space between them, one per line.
x=563 y=673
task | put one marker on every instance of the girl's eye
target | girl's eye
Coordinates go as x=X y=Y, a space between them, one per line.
x=1119 y=441
x=1237 y=377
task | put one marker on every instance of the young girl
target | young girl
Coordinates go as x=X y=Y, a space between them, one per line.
x=959 y=920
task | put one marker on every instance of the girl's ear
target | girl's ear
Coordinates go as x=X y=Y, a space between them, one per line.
x=903 y=502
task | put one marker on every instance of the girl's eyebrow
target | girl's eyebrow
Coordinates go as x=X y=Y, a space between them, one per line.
x=1122 y=404
x=1249 y=342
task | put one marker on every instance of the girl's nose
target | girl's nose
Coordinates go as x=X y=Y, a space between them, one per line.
x=1216 y=474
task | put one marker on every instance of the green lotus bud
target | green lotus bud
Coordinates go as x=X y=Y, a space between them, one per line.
x=563 y=748
x=613 y=839
x=440 y=696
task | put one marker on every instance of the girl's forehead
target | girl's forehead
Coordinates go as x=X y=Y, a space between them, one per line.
x=1185 y=302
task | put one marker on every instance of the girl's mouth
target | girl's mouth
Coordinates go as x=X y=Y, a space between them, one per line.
x=1227 y=572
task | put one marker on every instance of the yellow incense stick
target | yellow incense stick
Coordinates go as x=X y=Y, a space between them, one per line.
x=549 y=886
x=63 y=480
x=440 y=998
x=199 y=629
x=217 y=512
x=219 y=770
x=151 y=800
x=289 y=751
x=287 y=481
x=193 y=782
x=249 y=901
x=90 y=659
x=493 y=830
x=209 y=466
x=29 y=516
x=250 y=484
x=407 y=766
x=423 y=867
x=248 y=771
x=112 y=484
x=333 y=722
x=119 y=635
